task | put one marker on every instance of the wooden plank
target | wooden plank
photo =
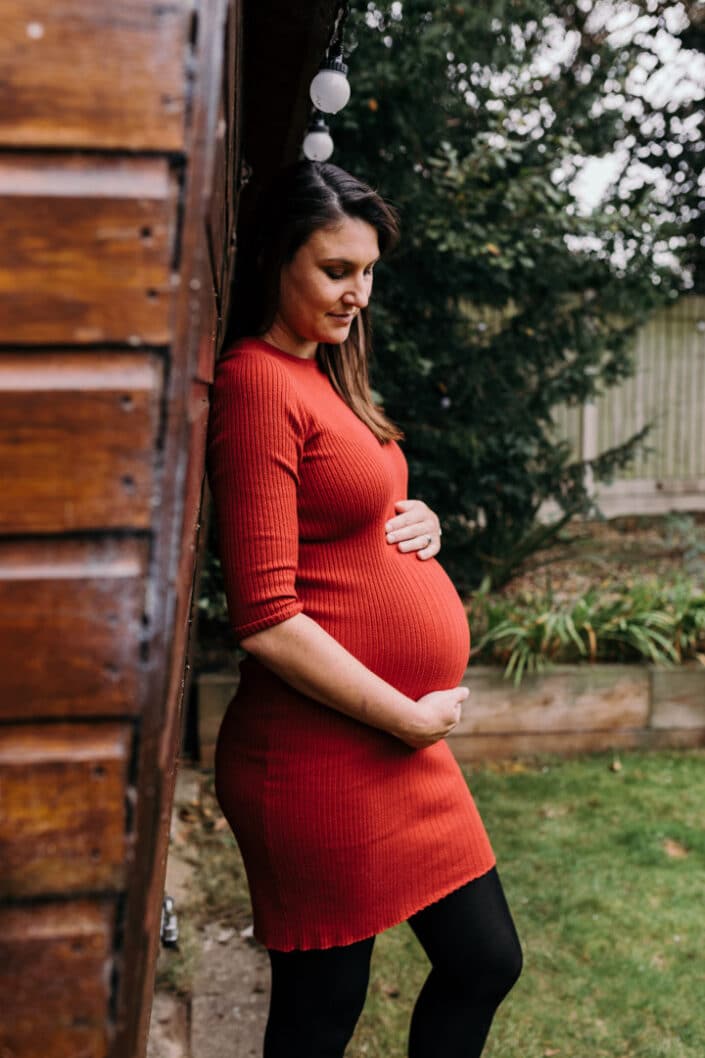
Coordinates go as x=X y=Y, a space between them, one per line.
x=87 y=249
x=218 y=209
x=205 y=365
x=92 y=73
x=234 y=171
x=55 y=963
x=469 y=749
x=84 y=594
x=77 y=437
x=678 y=697
x=650 y=496
x=566 y=698
x=63 y=804
x=172 y=563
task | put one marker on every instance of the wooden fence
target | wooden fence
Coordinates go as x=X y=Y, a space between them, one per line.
x=668 y=389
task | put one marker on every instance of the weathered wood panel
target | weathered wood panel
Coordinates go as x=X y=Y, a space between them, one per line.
x=54 y=595
x=63 y=807
x=87 y=249
x=678 y=697
x=55 y=962
x=235 y=174
x=469 y=749
x=77 y=437
x=93 y=73
x=205 y=365
x=567 y=698
x=217 y=223
x=172 y=558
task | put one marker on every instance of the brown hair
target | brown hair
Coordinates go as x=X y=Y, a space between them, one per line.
x=303 y=198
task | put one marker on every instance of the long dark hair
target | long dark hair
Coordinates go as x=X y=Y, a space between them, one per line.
x=303 y=198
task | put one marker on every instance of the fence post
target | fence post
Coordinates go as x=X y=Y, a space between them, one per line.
x=588 y=440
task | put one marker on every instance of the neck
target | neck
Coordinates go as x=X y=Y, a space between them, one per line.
x=283 y=338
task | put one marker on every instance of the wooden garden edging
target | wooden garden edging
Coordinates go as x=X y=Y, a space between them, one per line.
x=568 y=709
x=578 y=708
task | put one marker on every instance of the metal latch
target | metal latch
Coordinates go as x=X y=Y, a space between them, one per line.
x=169 y=929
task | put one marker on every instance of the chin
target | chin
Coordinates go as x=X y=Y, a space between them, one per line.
x=335 y=335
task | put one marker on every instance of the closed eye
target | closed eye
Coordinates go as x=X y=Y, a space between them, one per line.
x=342 y=272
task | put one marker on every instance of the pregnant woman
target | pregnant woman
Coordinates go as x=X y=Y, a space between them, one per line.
x=331 y=766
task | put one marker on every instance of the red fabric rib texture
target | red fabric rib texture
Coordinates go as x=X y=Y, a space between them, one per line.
x=344 y=830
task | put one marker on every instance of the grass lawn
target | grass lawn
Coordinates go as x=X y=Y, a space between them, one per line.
x=603 y=862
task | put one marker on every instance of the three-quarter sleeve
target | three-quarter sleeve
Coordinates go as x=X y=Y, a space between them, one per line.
x=255 y=440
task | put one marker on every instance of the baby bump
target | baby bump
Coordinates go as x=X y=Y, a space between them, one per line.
x=404 y=620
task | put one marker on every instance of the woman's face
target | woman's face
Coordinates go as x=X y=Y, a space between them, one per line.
x=326 y=284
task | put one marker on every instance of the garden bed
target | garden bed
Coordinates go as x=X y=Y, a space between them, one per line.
x=579 y=708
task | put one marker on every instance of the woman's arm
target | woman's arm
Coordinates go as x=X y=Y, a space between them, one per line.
x=307 y=657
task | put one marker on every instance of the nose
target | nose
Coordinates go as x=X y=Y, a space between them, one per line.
x=358 y=295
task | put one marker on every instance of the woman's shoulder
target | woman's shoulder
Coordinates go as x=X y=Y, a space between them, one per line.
x=248 y=362
x=246 y=376
x=245 y=353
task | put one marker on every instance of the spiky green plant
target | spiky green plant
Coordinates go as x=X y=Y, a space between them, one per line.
x=621 y=621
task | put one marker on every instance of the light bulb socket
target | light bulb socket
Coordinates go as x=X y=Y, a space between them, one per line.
x=317 y=123
x=336 y=63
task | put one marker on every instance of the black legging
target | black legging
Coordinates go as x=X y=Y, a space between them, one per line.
x=469 y=936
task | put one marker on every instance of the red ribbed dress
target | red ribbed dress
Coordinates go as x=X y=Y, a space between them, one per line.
x=344 y=830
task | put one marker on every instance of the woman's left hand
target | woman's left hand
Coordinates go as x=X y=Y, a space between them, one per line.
x=415 y=528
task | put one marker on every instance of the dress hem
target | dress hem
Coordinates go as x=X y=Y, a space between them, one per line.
x=404 y=917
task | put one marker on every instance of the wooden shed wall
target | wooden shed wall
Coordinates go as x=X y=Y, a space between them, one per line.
x=118 y=190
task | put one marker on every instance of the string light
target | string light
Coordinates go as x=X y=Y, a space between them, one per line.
x=318 y=142
x=329 y=91
x=330 y=88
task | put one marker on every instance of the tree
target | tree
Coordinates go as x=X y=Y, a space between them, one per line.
x=506 y=298
x=665 y=128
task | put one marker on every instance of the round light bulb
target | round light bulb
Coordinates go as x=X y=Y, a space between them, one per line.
x=330 y=88
x=318 y=142
x=318 y=146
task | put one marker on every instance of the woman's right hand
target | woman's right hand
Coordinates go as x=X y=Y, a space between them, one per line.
x=435 y=716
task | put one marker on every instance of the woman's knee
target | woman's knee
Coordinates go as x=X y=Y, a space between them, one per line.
x=488 y=971
x=506 y=964
x=471 y=940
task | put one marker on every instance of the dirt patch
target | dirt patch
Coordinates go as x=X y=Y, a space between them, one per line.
x=594 y=553
x=212 y=990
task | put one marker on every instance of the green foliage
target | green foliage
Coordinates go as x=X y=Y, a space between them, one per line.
x=505 y=299
x=638 y=619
